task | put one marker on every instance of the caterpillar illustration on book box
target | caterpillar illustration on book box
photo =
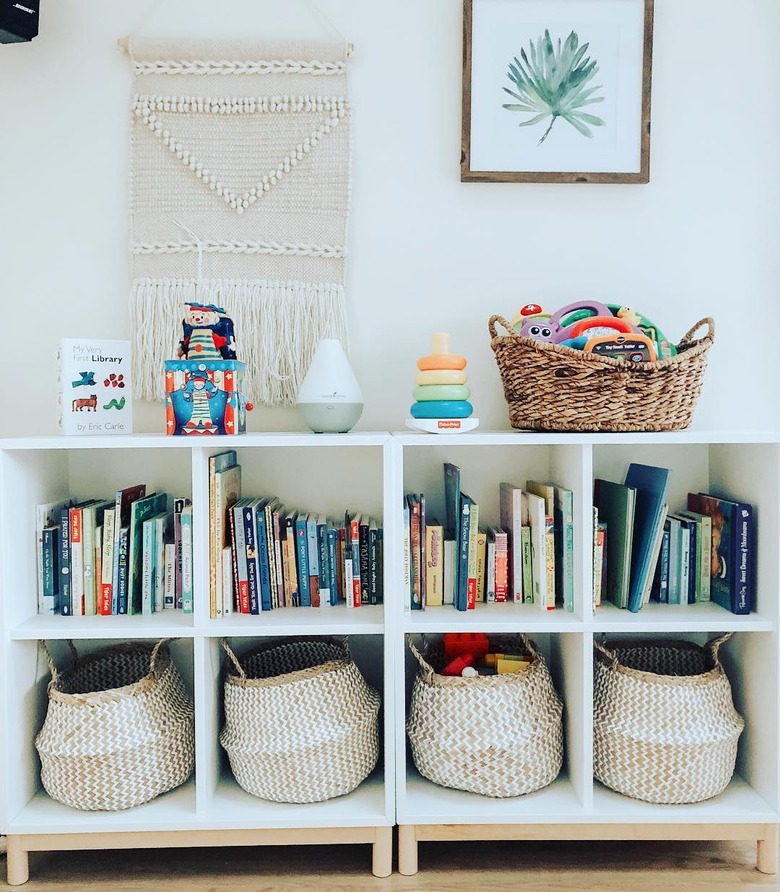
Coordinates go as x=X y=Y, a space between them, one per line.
x=203 y=386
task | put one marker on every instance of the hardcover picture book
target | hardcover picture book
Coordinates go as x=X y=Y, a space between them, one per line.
x=94 y=394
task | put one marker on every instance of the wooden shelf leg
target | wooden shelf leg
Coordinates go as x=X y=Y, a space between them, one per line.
x=766 y=850
x=407 y=850
x=382 y=852
x=18 y=866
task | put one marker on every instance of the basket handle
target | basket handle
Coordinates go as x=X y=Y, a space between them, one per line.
x=55 y=675
x=425 y=666
x=233 y=658
x=688 y=339
x=715 y=645
x=502 y=321
x=609 y=655
x=155 y=652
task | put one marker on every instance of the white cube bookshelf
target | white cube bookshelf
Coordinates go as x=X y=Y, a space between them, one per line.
x=309 y=472
x=576 y=806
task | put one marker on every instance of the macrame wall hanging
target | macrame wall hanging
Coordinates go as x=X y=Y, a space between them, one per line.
x=240 y=194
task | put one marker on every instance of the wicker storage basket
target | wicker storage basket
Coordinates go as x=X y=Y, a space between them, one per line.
x=498 y=735
x=664 y=725
x=554 y=388
x=301 y=722
x=119 y=728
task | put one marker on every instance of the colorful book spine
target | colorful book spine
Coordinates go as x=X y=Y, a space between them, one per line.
x=263 y=556
x=526 y=564
x=481 y=558
x=251 y=604
x=313 y=553
x=564 y=546
x=107 y=569
x=323 y=565
x=187 y=593
x=471 y=586
x=302 y=559
x=147 y=567
x=354 y=544
x=434 y=570
x=365 y=597
x=169 y=596
x=407 y=557
x=462 y=559
x=161 y=525
x=78 y=606
x=66 y=606
x=122 y=571
x=490 y=570
x=240 y=583
x=50 y=572
x=333 y=536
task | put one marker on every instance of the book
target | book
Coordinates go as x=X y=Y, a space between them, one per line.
x=352 y=524
x=547 y=492
x=650 y=484
x=616 y=505
x=122 y=570
x=333 y=563
x=471 y=586
x=732 y=550
x=323 y=560
x=526 y=564
x=141 y=509
x=449 y=581
x=380 y=557
x=289 y=563
x=104 y=601
x=187 y=585
x=462 y=556
x=227 y=491
x=313 y=558
x=218 y=463
x=91 y=521
x=406 y=542
x=490 y=569
x=271 y=508
x=689 y=594
x=511 y=519
x=95 y=392
x=415 y=553
x=655 y=554
x=498 y=536
x=535 y=509
x=76 y=560
x=149 y=563
x=50 y=572
x=599 y=539
x=564 y=546
x=363 y=548
x=481 y=563
x=452 y=517
x=265 y=569
x=675 y=558
x=122 y=502
x=47 y=515
x=169 y=594
x=703 y=552
x=248 y=516
x=302 y=558
x=162 y=536
x=434 y=563
x=66 y=606
x=375 y=563
x=660 y=587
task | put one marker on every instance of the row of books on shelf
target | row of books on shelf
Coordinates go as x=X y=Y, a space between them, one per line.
x=459 y=560
x=265 y=555
x=131 y=554
x=643 y=551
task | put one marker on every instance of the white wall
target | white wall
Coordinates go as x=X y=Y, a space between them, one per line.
x=427 y=252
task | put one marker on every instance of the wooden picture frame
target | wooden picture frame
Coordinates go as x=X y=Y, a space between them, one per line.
x=531 y=63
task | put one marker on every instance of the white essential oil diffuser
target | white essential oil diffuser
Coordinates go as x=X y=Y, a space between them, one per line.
x=329 y=399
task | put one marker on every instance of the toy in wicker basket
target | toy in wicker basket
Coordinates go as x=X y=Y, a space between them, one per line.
x=613 y=372
x=301 y=722
x=665 y=729
x=496 y=735
x=119 y=728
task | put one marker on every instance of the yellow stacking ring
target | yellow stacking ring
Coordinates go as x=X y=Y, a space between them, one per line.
x=440 y=376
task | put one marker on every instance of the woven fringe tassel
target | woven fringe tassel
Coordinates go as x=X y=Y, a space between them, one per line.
x=277 y=325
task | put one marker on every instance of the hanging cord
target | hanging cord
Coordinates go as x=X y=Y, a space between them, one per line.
x=198 y=242
x=314 y=10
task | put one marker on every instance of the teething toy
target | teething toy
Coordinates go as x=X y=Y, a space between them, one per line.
x=441 y=393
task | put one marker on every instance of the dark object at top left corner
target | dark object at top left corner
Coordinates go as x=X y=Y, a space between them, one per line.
x=18 y=20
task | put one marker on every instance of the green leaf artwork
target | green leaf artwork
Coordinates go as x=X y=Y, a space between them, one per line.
x=554 y=82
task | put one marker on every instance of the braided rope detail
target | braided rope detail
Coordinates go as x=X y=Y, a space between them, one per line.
x=145 y=104
x=329 y=252
x=224 y=66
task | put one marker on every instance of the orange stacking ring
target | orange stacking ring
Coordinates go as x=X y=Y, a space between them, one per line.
x=441 y=361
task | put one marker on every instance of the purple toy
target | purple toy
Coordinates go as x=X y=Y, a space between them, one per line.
x=558 y=327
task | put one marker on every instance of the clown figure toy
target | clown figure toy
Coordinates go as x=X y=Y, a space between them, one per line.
x=208 y=333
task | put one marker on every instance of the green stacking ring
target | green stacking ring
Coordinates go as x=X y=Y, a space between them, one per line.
x=425 y=392
x=442 y=409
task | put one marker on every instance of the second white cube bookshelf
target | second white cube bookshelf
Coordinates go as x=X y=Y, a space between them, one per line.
x=370 y=472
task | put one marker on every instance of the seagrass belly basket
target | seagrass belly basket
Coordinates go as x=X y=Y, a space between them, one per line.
x=301 y=722
x=556 y=388
x=498 y=735
x=119 y=729
x=665 y=728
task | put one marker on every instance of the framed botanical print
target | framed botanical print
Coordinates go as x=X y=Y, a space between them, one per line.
x=556 y=91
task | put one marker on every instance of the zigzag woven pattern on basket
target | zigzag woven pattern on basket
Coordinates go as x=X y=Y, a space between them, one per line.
x=495 y=735
x=664 y=724
x=119 y=729
x=550 y=387
x=301 y=722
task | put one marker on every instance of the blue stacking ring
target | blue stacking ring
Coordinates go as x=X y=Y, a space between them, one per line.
x=442 y=409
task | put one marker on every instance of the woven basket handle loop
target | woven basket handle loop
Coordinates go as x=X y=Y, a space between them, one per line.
x=529 y=645
x=52 y=668
x=714 y=646
x=687 y=338
x=500 y=319
x=608 y=655
x=233 y=658
x=153 y=657
x=427 y=669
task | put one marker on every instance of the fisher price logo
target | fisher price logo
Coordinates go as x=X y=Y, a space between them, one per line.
x=448 y=424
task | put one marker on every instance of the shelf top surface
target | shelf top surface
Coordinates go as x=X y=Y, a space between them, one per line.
x=379 y=438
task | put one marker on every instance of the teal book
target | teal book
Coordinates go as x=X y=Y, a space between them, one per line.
x=616 y=504
x=140 y=510
x=650 y=484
